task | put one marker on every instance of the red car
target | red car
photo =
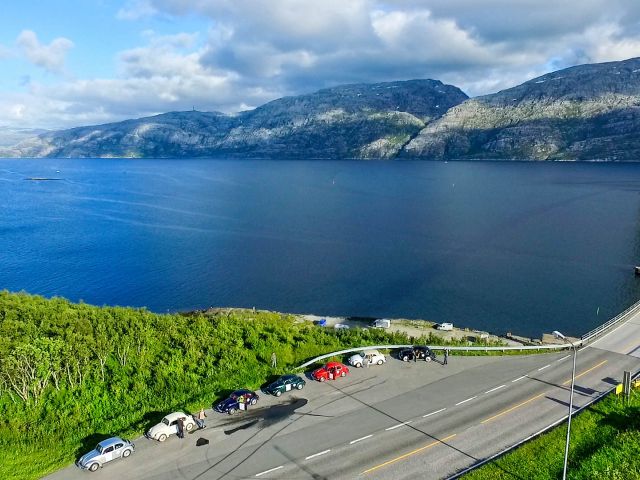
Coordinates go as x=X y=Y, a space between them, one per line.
x=330 y=371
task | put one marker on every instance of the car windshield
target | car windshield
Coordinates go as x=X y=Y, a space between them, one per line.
x=99 y=448
x=165 y=421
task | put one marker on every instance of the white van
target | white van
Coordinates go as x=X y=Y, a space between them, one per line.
x=445 y=326
x=381 y=323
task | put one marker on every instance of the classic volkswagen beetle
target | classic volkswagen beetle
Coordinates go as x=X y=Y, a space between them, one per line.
x=285 y=384
x=367 y=357
x=238 y=400
x=330 y=371
x=105 y=451
x=169 y=426
x=418 y=352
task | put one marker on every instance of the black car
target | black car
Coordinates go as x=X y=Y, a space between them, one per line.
x=285 y=384
x=238 y=400
x=417 y=352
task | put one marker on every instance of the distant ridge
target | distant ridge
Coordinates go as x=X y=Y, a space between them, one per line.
x=586 y=112
x=350 y=121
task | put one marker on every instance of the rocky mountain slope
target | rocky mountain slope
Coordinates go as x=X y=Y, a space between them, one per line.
x=587 y=112
x=351 y=121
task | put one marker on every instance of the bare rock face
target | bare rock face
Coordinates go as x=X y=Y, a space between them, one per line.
x=350 y=121
x=588 y=112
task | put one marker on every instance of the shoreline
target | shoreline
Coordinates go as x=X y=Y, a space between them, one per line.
x=411 y=327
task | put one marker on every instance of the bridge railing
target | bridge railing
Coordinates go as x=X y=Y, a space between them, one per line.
x=436 y=347
x=596 y=332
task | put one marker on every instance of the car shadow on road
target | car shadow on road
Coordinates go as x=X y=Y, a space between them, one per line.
x=585 y=391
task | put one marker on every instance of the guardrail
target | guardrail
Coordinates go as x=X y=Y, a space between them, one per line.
x=587 y=337
x=563 y=346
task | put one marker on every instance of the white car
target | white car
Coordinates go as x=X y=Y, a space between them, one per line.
x=340 y=326
x=169 y=426
x=367 y=357
x=381 y=323
x=445 y=326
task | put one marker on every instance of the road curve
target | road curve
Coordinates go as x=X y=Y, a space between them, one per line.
x=400 y=420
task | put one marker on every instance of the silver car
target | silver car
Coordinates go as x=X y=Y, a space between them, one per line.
x=105 y=451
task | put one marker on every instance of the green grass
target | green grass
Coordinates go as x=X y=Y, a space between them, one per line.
x=605 y=444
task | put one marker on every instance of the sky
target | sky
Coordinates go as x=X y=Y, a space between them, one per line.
x=79 y=62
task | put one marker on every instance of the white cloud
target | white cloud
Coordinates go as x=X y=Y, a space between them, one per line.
x=136 y=9
x=51 y=57
x=255 y=51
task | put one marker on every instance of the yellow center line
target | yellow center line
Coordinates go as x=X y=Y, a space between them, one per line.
x=512 y=408
x=633 y=344
x=486 y=420
x=586 y=371
x=397 y=459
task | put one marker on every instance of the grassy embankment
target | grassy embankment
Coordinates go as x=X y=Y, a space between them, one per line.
x=72 y=374
x=605 y=444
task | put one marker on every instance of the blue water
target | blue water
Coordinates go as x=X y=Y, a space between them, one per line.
x=522 y=247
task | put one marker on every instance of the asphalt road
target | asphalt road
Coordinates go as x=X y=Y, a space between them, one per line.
x=399 y=420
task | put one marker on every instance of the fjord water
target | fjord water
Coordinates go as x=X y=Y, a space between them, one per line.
x=522 y=247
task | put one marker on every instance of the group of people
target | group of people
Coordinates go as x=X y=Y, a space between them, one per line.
x=198 y=418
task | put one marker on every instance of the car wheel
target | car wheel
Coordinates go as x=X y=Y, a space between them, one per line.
x=162 y=438
x=343 y=374
x=254 y=401
x=300 y=386
x=427 y=359
x=126 y=453
x=405 y=358
x=358 y=365
x=322 y=379
x=278 y=393
x=380 y=362
x=189 y=427
x=232 y=411
x=93 y=467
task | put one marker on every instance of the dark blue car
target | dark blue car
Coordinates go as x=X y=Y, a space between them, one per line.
x=238 y=400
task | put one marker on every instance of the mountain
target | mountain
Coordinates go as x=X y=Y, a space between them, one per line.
x=350 y=121
x=10 y=136
x=587 y=112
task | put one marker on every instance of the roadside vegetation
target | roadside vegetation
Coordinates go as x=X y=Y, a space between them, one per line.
x=605 y=441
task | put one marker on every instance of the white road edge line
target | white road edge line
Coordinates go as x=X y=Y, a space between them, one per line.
x=360 y=439
x=519 y=378
x=317 y=454
x=546 y=366
x=563 y=358
x=269 y=471
x=433 y=413
x=494 y=389
x=398 y=425
x=465 y=401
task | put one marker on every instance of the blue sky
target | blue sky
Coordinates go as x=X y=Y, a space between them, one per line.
x=72 y=62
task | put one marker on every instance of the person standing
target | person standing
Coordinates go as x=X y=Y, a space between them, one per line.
x=446 y=356
x=180 y=425
x=200 y=418
x=274 y=360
